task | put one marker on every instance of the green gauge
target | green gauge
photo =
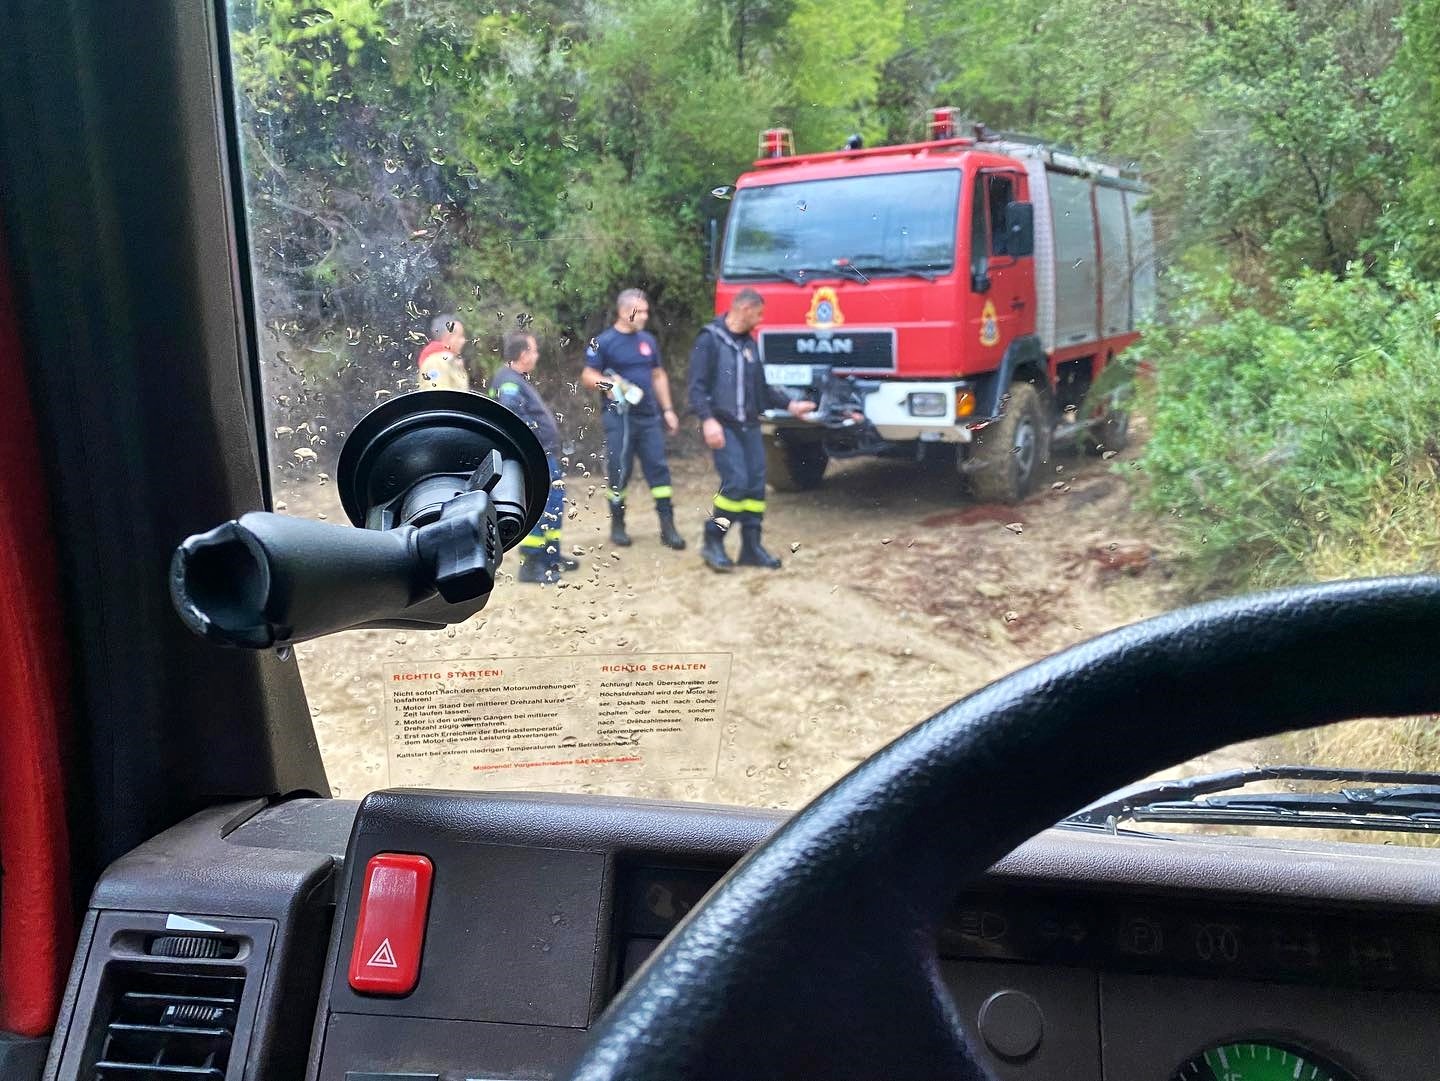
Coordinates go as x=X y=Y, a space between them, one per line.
x=1258 y=1062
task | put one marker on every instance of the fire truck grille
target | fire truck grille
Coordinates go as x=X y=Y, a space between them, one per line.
x=863 y=349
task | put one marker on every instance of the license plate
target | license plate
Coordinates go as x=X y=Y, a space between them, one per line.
x=788 y=375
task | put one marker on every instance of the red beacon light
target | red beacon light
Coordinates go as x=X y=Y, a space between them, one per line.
x=943 y=122
x=777 y=143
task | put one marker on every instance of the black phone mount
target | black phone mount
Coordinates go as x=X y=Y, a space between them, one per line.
x=441 y=483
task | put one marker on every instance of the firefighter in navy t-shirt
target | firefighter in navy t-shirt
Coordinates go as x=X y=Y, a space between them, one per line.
x=623 y=363
x=540 y=555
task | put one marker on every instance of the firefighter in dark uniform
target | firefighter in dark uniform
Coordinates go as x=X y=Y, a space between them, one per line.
x=729 y=393
x=541 y=559
x=624 y=364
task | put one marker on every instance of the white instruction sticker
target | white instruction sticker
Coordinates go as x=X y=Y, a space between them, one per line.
x=553 y=722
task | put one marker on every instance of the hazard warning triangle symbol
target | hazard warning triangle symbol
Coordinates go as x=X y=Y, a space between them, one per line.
x=383 y=957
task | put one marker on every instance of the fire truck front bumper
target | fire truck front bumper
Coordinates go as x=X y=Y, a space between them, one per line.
x=895 y=411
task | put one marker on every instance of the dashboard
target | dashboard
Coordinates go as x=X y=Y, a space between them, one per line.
x=427 y=936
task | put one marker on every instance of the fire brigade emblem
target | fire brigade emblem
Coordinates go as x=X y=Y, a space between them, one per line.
x=989 y=325
x=824 y=309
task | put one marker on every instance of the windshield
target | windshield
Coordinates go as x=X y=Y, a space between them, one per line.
x=754 y=569
x=895 y=222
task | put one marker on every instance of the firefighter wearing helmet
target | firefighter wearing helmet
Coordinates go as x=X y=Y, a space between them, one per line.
x=728 y=392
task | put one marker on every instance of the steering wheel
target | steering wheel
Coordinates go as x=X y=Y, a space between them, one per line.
x=816 y=956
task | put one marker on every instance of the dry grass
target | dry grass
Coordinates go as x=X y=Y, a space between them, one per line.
x=1412 y=744
x=1399 y=535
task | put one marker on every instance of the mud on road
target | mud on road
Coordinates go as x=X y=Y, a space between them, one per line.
x=897 y=597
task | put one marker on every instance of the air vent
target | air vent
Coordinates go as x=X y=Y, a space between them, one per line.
x=164 y=1025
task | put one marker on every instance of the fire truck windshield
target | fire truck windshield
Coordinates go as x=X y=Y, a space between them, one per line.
x=897 y=223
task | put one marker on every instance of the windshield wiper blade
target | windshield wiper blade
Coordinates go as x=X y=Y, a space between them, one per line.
x=794 y=277
x=902 y=271
x=838 y=269
x=1407 y=803
x=843 y=267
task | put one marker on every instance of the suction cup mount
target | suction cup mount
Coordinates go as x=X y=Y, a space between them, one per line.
x=440 y=483
x=406 y=452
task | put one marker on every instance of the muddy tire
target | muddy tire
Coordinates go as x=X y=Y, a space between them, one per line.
x=794 y=465
x=1007 y=457
x=1113 y=433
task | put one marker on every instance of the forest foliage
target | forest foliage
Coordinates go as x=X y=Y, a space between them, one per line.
x=520 y=162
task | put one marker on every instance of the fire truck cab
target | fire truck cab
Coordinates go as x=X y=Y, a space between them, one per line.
x=958 y=296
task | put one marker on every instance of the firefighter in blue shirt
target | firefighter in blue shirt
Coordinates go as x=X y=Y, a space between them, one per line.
x=541 y=559
x=728 y=392
x=623 y=364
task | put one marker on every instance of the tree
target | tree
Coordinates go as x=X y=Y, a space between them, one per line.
x=836 y=52
x=1411 y=119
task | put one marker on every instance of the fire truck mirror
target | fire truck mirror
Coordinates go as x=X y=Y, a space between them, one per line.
x=1020 y=229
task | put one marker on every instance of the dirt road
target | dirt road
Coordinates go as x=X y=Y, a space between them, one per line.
x=897 y=597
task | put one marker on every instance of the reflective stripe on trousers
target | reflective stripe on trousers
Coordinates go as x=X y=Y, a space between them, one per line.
x=543 y=542
x=741 y=465
x=628 y=437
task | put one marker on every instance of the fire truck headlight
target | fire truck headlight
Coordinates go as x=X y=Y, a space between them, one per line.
x=964 y=404
x=926 y=404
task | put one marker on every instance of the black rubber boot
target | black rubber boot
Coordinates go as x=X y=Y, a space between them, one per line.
x=535 y=570
x=618 y=537
x=712 y=549
x=752 y=552
x=669 y=536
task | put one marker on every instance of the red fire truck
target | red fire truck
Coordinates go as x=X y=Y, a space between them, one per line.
x=958 y=296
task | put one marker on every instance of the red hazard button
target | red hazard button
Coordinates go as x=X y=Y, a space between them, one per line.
x=390 y=927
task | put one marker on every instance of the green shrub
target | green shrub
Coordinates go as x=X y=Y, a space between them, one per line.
x=1303 y=444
